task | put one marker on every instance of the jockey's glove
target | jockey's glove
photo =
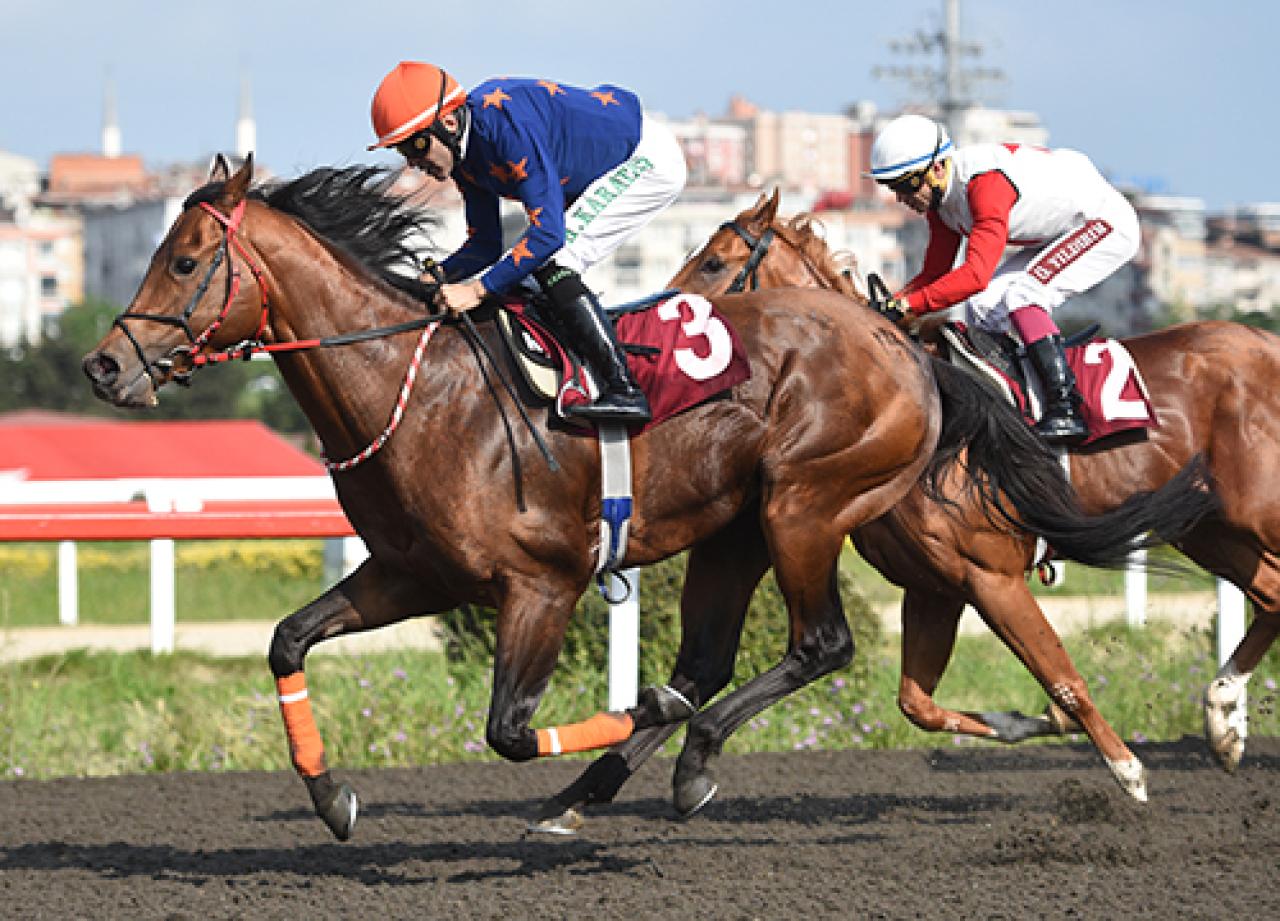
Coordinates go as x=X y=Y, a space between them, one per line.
x=902 y=316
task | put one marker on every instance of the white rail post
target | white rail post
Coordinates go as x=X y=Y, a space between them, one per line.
x=163 y=605
x=1135 y=589
x=1231 y=619
x=624 y=642
x=68 y=584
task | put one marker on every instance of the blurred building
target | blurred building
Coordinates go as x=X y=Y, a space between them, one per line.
x=89 y=225
x=40 y=275
x=1172 y=254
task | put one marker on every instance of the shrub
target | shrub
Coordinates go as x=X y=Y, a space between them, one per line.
x=470 y=641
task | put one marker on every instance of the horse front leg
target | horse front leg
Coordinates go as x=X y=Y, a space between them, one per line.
x=369 y=597
x=930 y=621
x=720 y=578
x=530 y=630
x=1010 y=610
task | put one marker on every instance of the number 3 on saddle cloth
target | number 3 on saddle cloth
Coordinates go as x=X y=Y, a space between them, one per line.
x=680 y=349
x=1114 y=396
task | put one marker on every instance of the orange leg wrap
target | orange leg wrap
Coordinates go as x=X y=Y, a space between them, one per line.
x=300 y=725
x=601 y=731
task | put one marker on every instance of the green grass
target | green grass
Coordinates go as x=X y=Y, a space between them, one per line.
x=98 y=714
x=103 y=714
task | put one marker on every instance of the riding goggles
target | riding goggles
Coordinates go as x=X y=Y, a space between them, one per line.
x=909 y=183
x=415 y=146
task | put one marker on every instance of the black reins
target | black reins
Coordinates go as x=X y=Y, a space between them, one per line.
x=195 y=356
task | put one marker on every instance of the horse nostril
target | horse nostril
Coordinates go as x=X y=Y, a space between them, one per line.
x=100 y=368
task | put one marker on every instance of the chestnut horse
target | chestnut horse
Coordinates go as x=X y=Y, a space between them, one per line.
x=838 y=420
x=1213 y=385
x=939 y=543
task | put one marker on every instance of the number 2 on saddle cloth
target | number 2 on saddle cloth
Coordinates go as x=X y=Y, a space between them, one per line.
x=680 y=349
x=1112 y=390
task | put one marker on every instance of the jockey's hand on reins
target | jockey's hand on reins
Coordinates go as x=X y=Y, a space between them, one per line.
x=893 y=309
x=900 y=315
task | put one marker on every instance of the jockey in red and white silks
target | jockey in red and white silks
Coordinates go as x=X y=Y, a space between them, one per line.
x=1070 y=229
x=1040 y=226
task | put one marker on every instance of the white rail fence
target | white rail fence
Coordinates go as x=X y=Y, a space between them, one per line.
x=343 y=554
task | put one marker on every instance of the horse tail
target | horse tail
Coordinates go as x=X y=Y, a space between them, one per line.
x=1021 y=485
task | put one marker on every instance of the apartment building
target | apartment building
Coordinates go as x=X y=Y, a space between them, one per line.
x=40 y=274
x=106 y=215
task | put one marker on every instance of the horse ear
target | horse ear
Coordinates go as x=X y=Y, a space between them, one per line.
x=770 y=210
x=765 y=210
x=219 y=170
x=238 y=185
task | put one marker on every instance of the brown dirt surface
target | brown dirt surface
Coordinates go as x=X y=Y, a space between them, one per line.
x=972 y=832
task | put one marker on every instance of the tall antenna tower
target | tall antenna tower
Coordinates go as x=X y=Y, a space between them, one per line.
x=941 y=80
x=111 y=141
x=246 y=127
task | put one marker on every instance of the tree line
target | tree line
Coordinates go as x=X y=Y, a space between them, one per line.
x=47 y=376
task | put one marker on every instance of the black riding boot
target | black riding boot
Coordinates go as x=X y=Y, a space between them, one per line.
x=1061 y=422
x=580 y=315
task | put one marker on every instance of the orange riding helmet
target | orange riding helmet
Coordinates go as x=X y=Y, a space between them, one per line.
x=410 y=98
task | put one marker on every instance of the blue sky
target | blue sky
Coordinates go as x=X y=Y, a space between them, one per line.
x=1178 y=93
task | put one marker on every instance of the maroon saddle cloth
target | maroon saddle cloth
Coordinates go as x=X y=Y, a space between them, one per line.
x=1114 y=396
x=680 y=349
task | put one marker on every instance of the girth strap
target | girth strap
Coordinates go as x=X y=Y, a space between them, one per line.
x=615 y=506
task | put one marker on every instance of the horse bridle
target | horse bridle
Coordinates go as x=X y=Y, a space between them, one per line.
x=193 y=355
x=168 y=366
x=757 y=246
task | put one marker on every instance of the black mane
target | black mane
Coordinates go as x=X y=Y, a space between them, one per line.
x=354 y=209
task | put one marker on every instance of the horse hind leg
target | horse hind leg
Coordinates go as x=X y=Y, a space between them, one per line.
x=1238 y=552
x=721 y=576
x=366 y=599
x=930 y=621
x=820 y=642
x=1225 y=699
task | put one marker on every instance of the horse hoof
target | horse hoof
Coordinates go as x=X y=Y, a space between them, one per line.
x=1223 y=717
x=1226 y=744
x=1131 y=776
x=566 y=824
x=339 y=811
x=692 y=795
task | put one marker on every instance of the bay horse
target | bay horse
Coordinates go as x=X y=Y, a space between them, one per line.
x=837 y=421
x=1215 y=389
x=939 y=543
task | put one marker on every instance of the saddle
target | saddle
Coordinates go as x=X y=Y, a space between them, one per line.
x=1114 y=396
x=681 y=352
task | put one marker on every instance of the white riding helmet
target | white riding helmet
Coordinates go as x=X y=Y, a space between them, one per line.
x=906 y=144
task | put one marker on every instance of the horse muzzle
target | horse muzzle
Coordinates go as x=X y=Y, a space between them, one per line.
x=114 y=384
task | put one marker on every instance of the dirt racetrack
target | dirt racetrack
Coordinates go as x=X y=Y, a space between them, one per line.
x=973 y=832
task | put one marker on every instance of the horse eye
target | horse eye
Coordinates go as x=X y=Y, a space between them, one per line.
x=184 y=265
x=712 y=265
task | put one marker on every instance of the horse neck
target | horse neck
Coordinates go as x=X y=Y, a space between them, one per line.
x=316 y=292
x=802 y=270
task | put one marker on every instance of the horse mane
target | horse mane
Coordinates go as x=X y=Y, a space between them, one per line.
x=355 y=210
x=836 y=267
